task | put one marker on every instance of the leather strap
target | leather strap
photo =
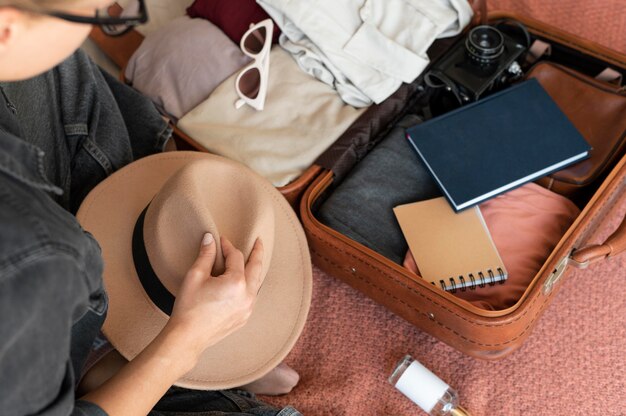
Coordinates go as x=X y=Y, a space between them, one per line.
x=437 y=79
x=610 y=75
x=480 y=12
x=537 y=50
x=614 y=245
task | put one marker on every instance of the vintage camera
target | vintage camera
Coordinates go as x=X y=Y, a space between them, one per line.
x=485 y=61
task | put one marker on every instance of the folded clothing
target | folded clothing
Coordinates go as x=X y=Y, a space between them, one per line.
x=525 y=225
x=180 y=64
x=365 y=48
x=361 y=207
x=232 y=16
x=301 y=119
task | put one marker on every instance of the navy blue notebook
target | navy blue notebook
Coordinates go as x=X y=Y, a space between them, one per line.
x=496 y=144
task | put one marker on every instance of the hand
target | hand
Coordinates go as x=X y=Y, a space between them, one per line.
x=207 y=308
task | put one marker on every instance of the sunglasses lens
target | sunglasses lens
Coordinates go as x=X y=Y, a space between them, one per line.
x=255 y=40
x=250 y=82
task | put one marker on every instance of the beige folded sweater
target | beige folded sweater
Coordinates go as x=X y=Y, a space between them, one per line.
x=301 y=119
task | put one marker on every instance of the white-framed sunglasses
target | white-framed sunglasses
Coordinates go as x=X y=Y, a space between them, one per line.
x=251 y=83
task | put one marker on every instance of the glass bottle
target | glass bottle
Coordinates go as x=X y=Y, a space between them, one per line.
x=425 y=389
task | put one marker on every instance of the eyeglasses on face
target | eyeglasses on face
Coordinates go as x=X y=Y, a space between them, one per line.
x=109 y=19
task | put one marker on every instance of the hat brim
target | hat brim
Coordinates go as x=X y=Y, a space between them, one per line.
x=110 y=211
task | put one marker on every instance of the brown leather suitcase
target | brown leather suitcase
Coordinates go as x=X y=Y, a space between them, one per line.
x=480 y=333
x=477 y=332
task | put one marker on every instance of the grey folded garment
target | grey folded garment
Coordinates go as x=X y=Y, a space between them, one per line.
x=361 y=207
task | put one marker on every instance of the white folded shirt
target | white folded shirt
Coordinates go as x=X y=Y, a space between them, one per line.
x=365 y=49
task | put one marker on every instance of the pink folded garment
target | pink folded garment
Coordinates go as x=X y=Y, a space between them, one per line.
x=525 y=225
x=232 y=16
x=181 y=63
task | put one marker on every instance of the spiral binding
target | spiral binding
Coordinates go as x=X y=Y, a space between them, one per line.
x=463 y=283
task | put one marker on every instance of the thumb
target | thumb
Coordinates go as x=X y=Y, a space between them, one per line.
x=206 y=256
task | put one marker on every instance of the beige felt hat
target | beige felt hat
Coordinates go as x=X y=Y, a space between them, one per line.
x=149 y=218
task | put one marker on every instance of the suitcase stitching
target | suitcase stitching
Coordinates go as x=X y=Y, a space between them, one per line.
x=521 y=334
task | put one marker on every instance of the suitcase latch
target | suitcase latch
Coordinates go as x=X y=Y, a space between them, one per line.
x=556 y=275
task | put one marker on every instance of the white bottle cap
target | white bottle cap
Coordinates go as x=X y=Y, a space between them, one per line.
x=420 y=385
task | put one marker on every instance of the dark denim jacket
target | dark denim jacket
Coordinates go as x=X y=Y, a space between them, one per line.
x=60 y=134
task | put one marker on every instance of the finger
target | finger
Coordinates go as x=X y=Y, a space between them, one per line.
x=206 y=257
x=233 y=258
x=254 y=267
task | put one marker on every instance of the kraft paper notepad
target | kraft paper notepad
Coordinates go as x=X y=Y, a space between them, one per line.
x=452 y=250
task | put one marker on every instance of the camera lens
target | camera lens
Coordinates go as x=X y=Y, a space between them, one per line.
x=484 y=44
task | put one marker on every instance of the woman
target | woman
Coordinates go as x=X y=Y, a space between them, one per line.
x=61 y=132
